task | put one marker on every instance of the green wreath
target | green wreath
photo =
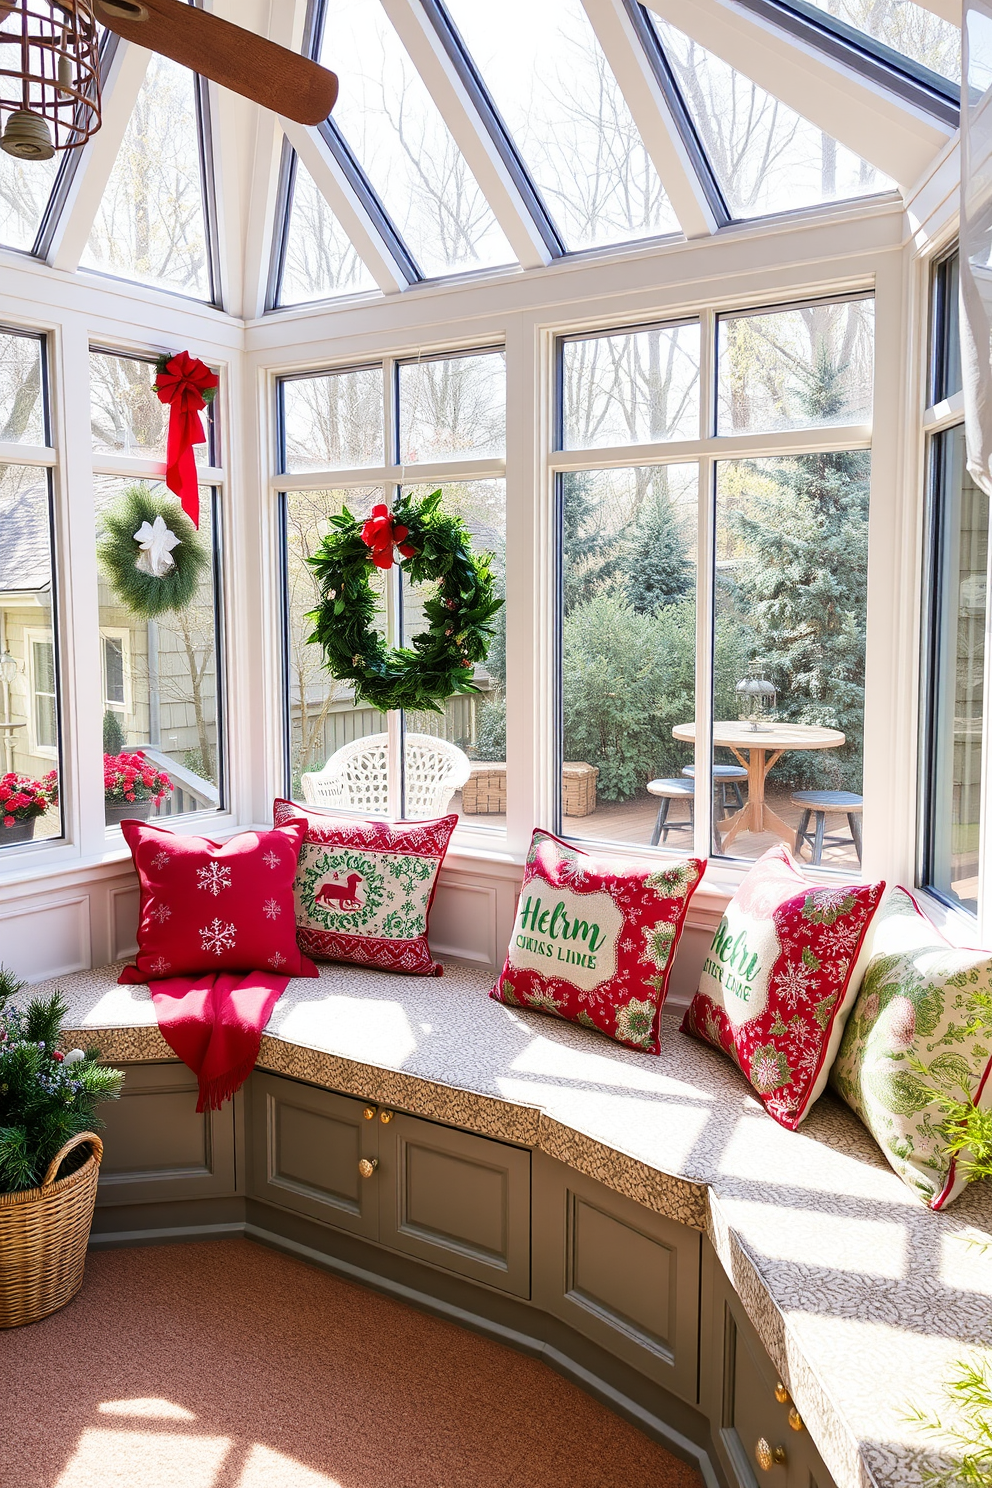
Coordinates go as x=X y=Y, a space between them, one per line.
x=433 y=546
x=142 y=590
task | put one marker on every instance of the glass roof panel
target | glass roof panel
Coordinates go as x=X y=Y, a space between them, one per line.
x=766 y=157
x=389 y=119
x=561 y=103
x=905 y=27
x=320 y=261
x=151 y=225
x=25 y=186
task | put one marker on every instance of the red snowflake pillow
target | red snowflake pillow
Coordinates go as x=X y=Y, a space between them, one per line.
x=594 y=941
x=215 y=906
x=364 y=889
x=781 y=978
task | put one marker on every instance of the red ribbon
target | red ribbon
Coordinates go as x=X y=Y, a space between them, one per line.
x=182 y=386
x=381 y=533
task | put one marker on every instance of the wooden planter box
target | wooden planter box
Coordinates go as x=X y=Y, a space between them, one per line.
x=484 y=792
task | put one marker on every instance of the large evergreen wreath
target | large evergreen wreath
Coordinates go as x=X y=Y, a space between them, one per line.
x=433 y=546
x=129 y=559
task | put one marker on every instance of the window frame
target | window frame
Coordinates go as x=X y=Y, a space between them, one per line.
x=37 y=635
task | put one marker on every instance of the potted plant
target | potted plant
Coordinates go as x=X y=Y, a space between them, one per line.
x=22 y=801
x=49 y=1155
x=132 y=786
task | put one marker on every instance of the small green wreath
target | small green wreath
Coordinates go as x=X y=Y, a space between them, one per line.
x=151 y=553
x=433 y=546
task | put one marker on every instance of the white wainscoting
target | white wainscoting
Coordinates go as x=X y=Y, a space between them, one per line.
x=46 y=939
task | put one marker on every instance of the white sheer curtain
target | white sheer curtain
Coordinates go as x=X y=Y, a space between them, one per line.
x=976 y=237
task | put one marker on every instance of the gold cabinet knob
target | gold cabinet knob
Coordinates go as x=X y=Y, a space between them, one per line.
x=386 y=1117
x=369 y=1113
x=367 y=1166
x=768 y=1456
x=795 y=1419
x=781 y=1393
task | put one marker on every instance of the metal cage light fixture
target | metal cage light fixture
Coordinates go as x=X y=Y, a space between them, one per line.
x=49 y=76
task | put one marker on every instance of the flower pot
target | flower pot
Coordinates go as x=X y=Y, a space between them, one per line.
x=43 y=1236
x=118 y=811
x=21 y=831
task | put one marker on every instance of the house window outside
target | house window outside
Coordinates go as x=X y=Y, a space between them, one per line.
x=29 y=660
x=955 y=613
x=689 y=571
x=352 y=438
x=162 y=678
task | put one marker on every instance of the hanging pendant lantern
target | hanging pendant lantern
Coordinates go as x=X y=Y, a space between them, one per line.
x=49 y=76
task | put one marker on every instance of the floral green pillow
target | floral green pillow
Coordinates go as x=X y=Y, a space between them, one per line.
x=914 y=1008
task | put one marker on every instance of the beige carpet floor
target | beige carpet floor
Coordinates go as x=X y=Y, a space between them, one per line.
x=228 y=1365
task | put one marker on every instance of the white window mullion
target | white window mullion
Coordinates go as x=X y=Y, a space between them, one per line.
x=394 y=595
x=705 y=618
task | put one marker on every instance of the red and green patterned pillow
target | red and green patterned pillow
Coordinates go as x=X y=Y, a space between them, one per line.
x=364 y=889
x=594 y=941
x=780 y=979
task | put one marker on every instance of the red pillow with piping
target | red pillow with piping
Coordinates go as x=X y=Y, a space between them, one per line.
x=364 y=889
x=781 y=978
x=215 y=906
x=594 y=941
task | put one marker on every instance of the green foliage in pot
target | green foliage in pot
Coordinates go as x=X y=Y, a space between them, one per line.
x=46 y=1096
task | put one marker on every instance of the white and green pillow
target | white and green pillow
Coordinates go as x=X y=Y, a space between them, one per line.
x=914 y=1008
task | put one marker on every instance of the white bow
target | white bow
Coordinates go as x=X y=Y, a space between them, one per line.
x=156 y=543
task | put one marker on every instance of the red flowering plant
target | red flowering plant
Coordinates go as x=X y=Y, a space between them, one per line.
x=22 y=798
x=130 y=777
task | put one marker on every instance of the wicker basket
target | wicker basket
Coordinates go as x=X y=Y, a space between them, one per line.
x=43 y=1237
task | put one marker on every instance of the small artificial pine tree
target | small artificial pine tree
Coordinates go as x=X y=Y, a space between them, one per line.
x=656 y=567
x=802 y=588
x=46 y=1097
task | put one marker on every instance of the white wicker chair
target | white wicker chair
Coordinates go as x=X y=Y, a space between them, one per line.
x=355 y=776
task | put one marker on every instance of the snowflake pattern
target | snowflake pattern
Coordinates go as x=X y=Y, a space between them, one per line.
x=218 y=937
x=276 y=960
x=214 y=878
x=271 y=859
x=160 y=966
x=160 y=914
x=161 y=858
x=272 y=909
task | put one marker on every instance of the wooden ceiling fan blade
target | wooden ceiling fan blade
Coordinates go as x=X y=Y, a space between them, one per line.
x=251 y=65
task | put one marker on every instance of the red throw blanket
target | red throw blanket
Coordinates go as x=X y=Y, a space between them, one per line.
x=214 y=1023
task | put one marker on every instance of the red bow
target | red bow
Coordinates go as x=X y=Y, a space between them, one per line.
x=182 y=385
x=380 y=533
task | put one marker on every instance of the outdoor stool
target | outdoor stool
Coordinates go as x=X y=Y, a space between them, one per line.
x=817 y=803
x=725 y=778
x=669 y=791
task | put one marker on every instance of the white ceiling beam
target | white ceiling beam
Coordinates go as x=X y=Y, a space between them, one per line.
x=651 y=114
x=119 y=94
x=885 y=130
x=341 y=197
x=470 y=134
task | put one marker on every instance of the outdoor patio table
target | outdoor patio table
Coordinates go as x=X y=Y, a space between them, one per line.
x=763 y=748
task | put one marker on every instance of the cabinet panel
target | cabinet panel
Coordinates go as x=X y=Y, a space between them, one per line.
x=457 y=1200
x=623 y=1276
x=156 y=1145
x=748 y=1406
x=306 y=1148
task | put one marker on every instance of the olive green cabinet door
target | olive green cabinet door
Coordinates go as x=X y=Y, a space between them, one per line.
x=456 y=1200
x=762 y=1440
x=624 y=1276
x=157 y=1147
x=308 y=1149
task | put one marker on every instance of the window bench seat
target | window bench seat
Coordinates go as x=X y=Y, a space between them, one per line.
x=861 y=1297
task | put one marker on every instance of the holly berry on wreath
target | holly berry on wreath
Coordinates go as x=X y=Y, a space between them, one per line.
x=432 y=546
x=151 y=553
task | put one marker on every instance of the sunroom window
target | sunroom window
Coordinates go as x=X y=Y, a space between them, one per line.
x=30 y=710
x=161 y=676
x=153 y=221
x=779 y=623
x=411 y=426
x=318 y=259
x=956 y=619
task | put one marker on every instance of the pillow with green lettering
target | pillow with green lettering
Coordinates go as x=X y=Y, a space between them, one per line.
x=594 y=941
x=780 y=980
x=915 y=1007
